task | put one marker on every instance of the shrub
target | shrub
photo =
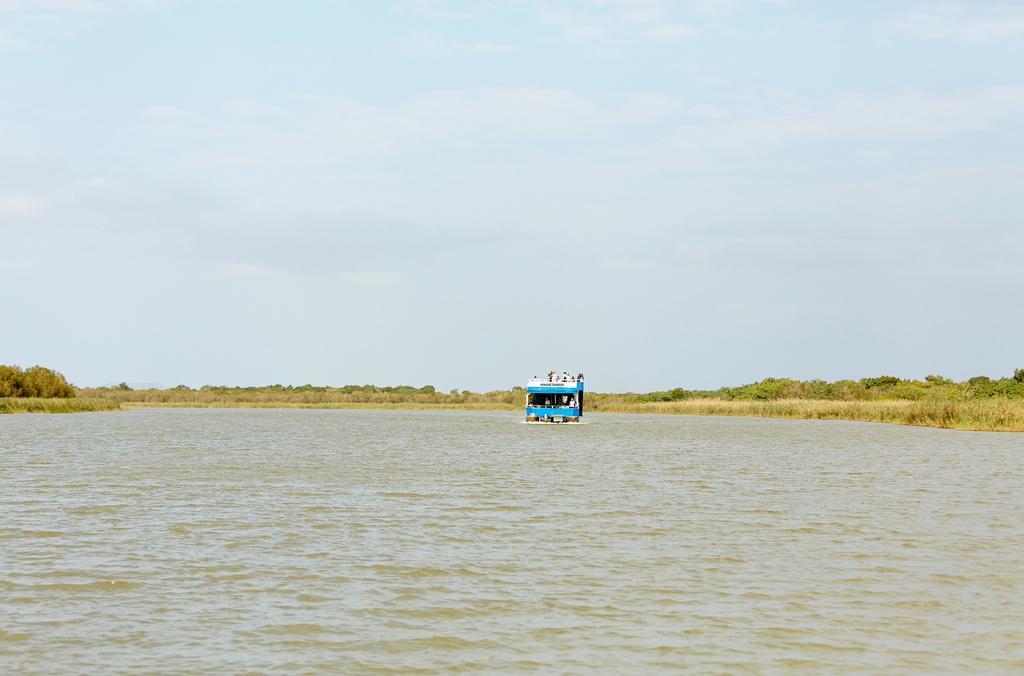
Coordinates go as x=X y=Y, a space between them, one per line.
x=35 y=381
x=880 y=381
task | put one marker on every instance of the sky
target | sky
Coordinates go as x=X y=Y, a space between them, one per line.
x=464 y=194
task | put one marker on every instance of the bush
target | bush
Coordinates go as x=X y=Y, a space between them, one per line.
x=1018 y=375
x=880 y=381
x=34 y=381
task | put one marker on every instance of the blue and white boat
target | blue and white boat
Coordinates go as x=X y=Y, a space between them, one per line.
x=555 y=399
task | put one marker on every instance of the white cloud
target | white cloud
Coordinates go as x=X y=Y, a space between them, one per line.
x=440 y=44
x=22 y=19
x=92 y=183
x=714 y=6
x=454 y=118
x=614 y=23
x=669 y=32
x=9 y=42
x=857 y=117
x=469 y=126
x=15 y=206
x=436 y=9
x=73 y=6
x=57 y=5
x=971 y=23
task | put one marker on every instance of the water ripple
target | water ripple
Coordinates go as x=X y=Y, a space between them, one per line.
x=354 y=541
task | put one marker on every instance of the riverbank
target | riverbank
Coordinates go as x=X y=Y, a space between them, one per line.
x=56 y=405
x=977 y=404
x=337 y=405
x=987 y=415
x=992 y=415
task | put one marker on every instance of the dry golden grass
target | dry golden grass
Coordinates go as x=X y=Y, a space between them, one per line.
x=997 y=415
x=983 y=414
x=338 y=405
x=55 y=405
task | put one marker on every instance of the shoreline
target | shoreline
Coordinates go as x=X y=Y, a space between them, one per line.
x=968 y=416
x=989 y=415
x=11 y=405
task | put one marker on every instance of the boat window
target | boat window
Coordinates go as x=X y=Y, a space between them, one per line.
x=538 y=399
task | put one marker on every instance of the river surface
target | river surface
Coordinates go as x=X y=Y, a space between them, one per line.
x=353 y=541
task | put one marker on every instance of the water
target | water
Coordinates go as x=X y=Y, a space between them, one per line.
x=354 y=541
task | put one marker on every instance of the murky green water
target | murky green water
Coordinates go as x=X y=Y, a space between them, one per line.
x=239 y=540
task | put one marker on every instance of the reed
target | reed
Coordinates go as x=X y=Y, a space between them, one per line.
x=983 y=406
x=996 y=415
x=55 y=405
x=338 y=405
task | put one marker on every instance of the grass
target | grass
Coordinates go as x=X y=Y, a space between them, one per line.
x=55 y=405
x=996 y=415
x=380 y=406
x=944 y=406
x=993 y=415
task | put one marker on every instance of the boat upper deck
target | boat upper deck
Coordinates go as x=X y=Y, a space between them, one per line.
x=558 y=385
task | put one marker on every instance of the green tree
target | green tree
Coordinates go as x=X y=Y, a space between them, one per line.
x=880 y=381
x=35 y=381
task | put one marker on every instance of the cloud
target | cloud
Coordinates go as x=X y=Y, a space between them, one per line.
x=440 y=44
x=20 y=206
x=971 y=23
x=714 y=6
x=10 y=42
x=64 y=5
x=74 y=5
x=437 y=9
x=615 y=23
x=669 y=32
x=454 y=119
x=339 y=153
x=857 y=117
x=31 y=23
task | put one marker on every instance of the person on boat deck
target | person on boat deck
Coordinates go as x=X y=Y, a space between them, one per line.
x=565 y=376
x=579 y=376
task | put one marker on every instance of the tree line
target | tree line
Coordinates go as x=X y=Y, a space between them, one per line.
x=933 y=387
x=38 y=381
x=35 y=381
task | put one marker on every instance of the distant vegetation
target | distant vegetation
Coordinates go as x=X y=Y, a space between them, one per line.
x=312 y=395
x=55 y=405
x=42 y=390
x=994 y=415
x=932 y=388
x=980 y=403
x=35 y=381
x=884 y=388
